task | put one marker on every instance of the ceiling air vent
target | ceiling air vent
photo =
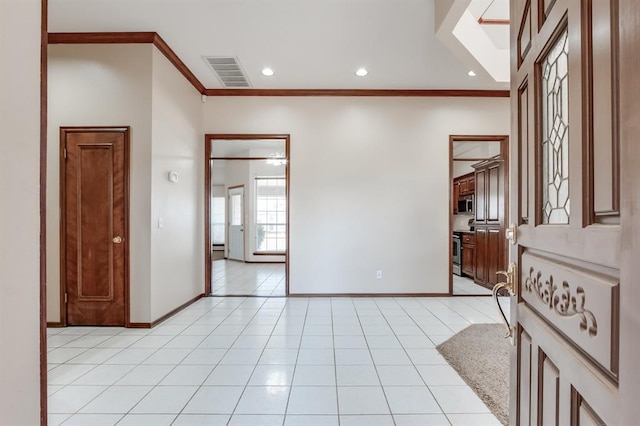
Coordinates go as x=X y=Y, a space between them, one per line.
x=228 y=70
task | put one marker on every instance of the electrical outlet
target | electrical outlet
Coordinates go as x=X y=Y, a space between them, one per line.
x=379 y=274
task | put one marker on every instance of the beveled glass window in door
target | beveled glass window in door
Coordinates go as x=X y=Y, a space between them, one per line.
x=555 y=133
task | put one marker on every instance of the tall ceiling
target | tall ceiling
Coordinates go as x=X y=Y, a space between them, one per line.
x=310 y=44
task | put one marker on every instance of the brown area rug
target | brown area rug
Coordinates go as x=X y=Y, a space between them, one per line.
x=480 y=354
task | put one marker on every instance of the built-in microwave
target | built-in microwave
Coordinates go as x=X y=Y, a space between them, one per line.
x=465 y=204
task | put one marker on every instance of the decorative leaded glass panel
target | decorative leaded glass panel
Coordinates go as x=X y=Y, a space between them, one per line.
x=555 y=133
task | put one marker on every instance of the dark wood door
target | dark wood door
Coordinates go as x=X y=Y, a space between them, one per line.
x=95 y=225
x=575 y=311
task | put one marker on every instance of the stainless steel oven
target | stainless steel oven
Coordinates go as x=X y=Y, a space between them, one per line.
x=457 y=253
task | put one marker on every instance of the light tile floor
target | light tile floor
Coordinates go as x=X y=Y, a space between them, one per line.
x=233 y=278
x=271 y=361
x=464 y=286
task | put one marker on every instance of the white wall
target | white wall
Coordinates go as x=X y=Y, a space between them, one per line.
x=135 y=85
x=103 y=85
x=366 y=174
x=20 y=212
x=177 y=249
x=461 y=168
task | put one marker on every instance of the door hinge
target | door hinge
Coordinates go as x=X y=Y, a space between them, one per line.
x=66 y=298
x=65 y=153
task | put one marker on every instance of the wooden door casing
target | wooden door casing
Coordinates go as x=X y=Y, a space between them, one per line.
x=94 y=196
x=566 y=311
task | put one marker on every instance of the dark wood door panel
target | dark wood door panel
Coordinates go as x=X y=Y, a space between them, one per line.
x=481 y=204
x=468 y=259
x=94 y=226
x=494 y=194
x=495 y=254
x=480 y=253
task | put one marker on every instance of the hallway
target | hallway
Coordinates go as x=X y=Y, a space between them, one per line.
x=271 y=361
x=233 y=278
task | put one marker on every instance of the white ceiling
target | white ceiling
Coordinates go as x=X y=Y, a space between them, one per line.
x=310 y=44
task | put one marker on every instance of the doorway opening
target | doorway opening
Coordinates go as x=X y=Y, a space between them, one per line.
x=247 y=208
x=478 y=171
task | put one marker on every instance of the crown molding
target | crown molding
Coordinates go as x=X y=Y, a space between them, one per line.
x=156 y=40
x=360 y=92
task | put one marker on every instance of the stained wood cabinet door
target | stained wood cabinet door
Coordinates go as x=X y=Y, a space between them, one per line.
x=463 y=187
x=480 y=197
x=471 y=184
x=490 y=250
x=480 y=273
x=468 y=254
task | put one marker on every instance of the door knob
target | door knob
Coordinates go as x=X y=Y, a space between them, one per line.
x=118 y=239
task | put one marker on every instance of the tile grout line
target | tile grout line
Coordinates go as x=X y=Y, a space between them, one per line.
x=257 y=362
x=410 y=359
x=375 y=367
x=335 y=360
x=153 y=387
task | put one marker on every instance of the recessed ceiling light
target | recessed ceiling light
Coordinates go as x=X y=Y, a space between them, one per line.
x=267 y=72
x=471 y=74
x=362 y=72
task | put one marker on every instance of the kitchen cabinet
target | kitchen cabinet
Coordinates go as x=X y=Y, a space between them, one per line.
x=468 y=254
x=463 y=186
x=467 y=184
x=490 y=244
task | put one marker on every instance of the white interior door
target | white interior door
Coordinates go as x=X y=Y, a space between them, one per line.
x=236 y=223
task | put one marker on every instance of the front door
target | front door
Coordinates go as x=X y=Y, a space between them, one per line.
x=236 y=223
x=566 y=205
x=94 y=224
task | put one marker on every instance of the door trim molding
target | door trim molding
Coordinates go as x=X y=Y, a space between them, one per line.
x=44 y=49
x=504 y=152
x=208 y=140
x=63 y=223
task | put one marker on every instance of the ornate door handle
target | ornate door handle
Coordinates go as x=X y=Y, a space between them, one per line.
x=510 y=285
